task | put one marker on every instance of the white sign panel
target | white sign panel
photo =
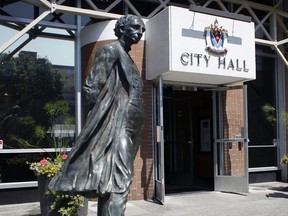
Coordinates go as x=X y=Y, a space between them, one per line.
x=188 y=46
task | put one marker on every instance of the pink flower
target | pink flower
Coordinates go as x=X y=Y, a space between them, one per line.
x=44 y=161
x=64 y=156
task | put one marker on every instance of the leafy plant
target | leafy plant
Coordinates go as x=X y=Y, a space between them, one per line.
x=66 y=204
x=284 y=159
x=57 y=111
x=271 y=116
x=270 y=113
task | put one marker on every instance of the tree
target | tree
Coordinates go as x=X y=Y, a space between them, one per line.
x=27 y=83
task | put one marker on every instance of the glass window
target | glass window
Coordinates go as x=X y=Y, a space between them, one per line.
x=37 y=101
x=261 y=91
x=262 y=132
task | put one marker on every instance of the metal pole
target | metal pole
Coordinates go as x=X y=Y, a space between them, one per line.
x=215 y=134
x=161 y=131
x=78 y=74
x=246 y=135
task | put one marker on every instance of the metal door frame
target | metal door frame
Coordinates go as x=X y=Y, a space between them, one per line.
x=158 y=141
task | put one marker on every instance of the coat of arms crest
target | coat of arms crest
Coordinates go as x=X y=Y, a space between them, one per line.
x=216 y=39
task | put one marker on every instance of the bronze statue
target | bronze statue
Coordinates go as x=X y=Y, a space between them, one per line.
x=101 y=162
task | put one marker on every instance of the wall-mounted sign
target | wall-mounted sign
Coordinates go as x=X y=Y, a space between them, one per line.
x=189 y=46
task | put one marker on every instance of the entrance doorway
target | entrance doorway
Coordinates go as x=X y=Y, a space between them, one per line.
x=188 y=139
x=185 y=158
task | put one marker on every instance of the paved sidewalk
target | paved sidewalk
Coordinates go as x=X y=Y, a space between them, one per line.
x=266 y=199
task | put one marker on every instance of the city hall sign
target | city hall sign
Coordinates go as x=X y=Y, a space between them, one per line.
x=189 y=46
x=216 y=38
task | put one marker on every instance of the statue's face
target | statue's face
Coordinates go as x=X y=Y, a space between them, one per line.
x=133 y=30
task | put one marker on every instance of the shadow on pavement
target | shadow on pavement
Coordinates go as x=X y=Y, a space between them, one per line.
x=281 y=188
x=277 y=195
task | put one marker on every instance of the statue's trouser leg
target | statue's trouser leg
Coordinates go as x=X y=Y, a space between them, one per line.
x=112 y=204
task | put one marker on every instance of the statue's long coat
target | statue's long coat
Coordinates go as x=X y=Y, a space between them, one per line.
x=102 y=159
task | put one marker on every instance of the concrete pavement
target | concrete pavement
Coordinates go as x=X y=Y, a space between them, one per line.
x=265 y=199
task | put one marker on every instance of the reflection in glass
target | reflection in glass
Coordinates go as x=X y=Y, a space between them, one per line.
x=15 y=167
x=37 y=103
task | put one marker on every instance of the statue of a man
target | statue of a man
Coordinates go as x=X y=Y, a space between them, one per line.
x=101 y=162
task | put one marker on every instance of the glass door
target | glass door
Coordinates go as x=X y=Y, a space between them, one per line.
x=230 y=139
x=158 y=140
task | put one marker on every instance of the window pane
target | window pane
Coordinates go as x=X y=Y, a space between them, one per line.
x=263 y=157
x=261 y=92
x=14 y=167
x=37 y=94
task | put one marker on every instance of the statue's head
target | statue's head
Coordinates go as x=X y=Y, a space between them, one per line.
x=129 y=28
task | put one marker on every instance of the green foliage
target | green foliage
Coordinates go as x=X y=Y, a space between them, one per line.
x=40 y=132
x=69 y=121
x=284 y=117
x=272 y=115
x=27 y=82
x=32 y=134
x=29 y=78
x=27 y=120
x=23 y=142
x=284 y=159
x=66 y=204
x=56 y=109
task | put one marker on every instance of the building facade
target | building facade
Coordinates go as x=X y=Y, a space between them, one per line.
x=209 y=68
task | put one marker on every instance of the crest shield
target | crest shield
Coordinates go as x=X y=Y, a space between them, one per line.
x=216 y=39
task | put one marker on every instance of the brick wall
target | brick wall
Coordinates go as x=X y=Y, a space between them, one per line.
x=142 y=185
x=233 y=117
